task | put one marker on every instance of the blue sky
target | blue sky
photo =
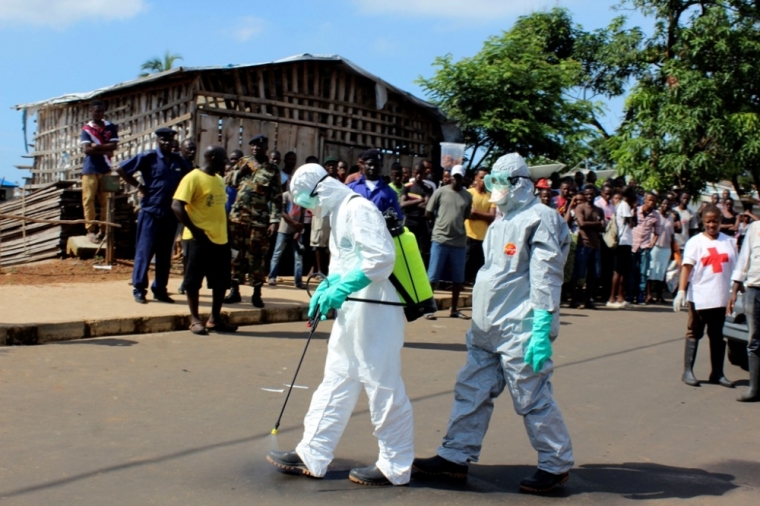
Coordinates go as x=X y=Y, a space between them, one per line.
x=53 y=47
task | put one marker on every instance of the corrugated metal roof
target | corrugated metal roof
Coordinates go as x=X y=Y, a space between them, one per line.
x=77 y=97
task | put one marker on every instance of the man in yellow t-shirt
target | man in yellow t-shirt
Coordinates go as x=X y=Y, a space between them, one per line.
x=199 y=204
x=481 y=215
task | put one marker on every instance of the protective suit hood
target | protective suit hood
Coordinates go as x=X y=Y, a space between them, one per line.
x=518 y=195
x=330 y=192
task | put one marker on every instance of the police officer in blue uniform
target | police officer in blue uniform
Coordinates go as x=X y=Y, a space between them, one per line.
x=161 y=172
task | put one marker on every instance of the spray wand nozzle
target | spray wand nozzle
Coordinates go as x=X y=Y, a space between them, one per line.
x=312 y=324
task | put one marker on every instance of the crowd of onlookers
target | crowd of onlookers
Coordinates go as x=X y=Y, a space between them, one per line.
x=628 y=242
x=635 y=260
x=626 y=248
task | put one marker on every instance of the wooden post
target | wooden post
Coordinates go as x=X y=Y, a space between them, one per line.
x=110 y=204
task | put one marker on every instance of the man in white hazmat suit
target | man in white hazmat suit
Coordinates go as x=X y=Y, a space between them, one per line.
x=515 y=316
x=364 y=350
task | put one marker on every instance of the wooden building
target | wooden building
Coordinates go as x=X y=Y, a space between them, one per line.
x=313 y=105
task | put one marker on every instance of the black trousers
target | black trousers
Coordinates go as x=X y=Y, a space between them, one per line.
x=474 y=260
x=712 y=319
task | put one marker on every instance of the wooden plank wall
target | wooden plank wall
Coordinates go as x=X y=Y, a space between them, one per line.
x=57 y=153
x=317 y=98
x=313 y=107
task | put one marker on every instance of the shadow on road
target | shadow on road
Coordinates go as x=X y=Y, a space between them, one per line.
x=437 y=346
x=268 y=334
x=631 y=480
x=572 y=315
x=101 y=342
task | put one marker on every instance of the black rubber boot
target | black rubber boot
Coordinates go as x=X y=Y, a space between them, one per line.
x=689 y=356
x=753 y=392
x=717 y=357
x=542 y=482
x=371 y=476
x=256 y=299
x=574 y=304
x=289 y=462
x=234 y=296
x=438 y=466
x=163 y=297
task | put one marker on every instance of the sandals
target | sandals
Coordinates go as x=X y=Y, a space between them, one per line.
x=431 y=316
x=198 y=329
x=460 y=315
x=224 y=328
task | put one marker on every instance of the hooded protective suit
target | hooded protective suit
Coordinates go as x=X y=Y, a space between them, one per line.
x=366 y=340
x=515 y=300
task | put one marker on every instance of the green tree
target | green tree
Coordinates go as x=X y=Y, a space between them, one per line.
x=692 y=117
x=159 y=64
x=533 y=88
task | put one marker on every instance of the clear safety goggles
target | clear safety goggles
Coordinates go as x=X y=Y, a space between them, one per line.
x=309 y=201
x=500 y=182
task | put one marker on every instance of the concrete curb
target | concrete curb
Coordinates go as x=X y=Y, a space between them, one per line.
x=31 y=334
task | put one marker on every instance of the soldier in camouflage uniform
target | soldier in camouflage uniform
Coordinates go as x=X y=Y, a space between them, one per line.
x=254 y=217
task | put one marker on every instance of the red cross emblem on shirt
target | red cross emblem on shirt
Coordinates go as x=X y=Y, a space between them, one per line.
x=715 y=259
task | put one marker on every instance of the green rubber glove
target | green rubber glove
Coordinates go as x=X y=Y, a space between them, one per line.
x=329 y=281
x=539 y=347
x=337 y=293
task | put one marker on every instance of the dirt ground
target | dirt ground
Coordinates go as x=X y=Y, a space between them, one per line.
x=67 y=270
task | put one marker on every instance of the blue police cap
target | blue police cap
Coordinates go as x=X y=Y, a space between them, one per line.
x=165 y=132
x=372 y=154
x=258 y=139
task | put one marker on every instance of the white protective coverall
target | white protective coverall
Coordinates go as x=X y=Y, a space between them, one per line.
x=364 y=349
x=525 y=255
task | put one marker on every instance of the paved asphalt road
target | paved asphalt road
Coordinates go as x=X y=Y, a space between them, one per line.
x=177 y=419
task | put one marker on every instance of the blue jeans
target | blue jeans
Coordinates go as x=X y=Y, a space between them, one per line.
x=587 y=264
x=284 y=240
x=752 y=312
x=637 y=286
x=439 y=255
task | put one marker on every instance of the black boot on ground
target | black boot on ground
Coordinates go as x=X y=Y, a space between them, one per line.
x=574 y=304
x=717 y=357
x=752 y=394
x=256 y=298
x=163 y=297
x=542 y=482
x=438 y=466
x=689 y=356
x=289 y=462
x=234 y=296
x=370 y=476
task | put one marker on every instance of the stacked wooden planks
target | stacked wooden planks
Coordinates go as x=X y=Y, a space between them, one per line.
x=23 y=242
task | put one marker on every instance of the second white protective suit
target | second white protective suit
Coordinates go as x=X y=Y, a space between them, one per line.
x=364 y=349
x=525 y=255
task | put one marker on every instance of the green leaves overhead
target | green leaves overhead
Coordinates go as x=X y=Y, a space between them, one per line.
x=692 y=117
x=531 y=89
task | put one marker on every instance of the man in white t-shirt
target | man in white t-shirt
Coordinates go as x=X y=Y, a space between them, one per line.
x=688 y=221
x=623 y=257
x=708 y=262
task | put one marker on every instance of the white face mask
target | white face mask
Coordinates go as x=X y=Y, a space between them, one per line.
x=499 y=196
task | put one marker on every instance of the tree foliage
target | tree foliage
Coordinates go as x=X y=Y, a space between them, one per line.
x=533 y=88
x=692 y=117
x=158 y=64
